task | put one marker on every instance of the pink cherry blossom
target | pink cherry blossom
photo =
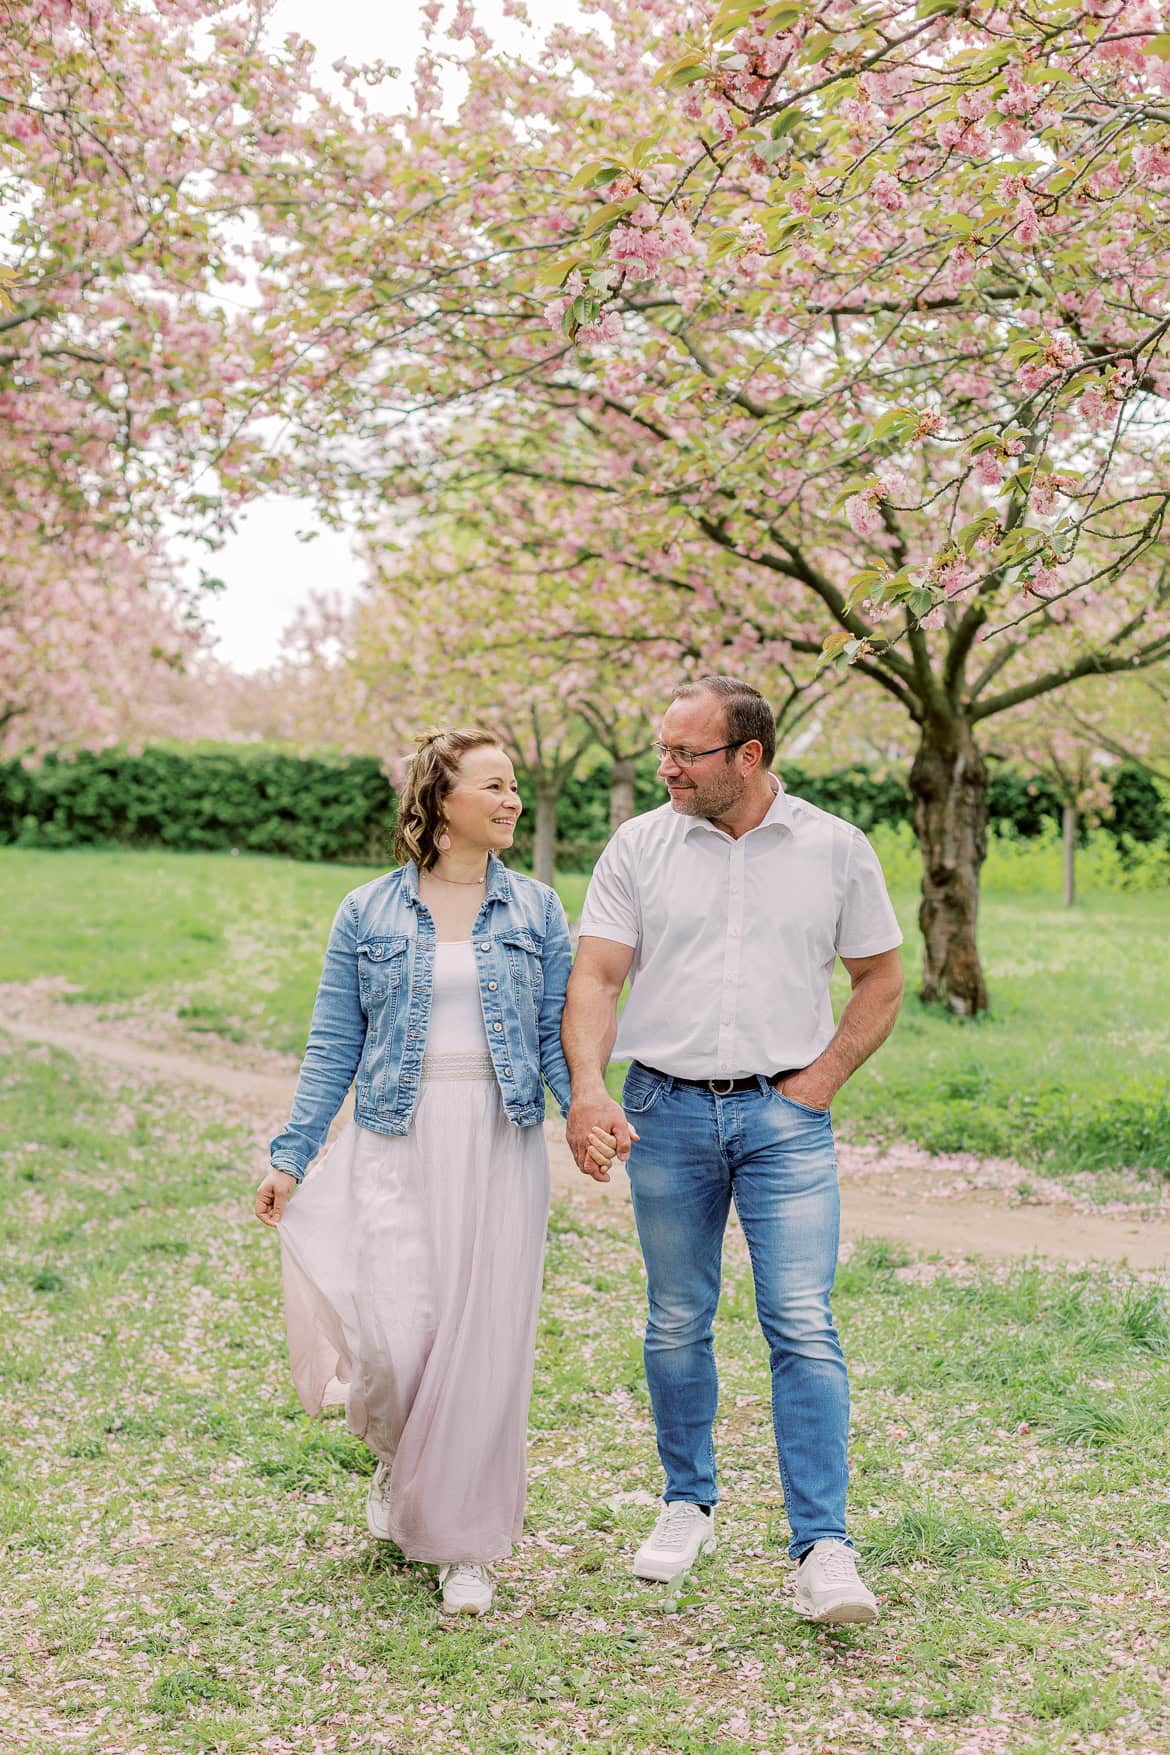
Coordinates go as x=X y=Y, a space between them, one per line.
x=863 y=514
x=887 y=193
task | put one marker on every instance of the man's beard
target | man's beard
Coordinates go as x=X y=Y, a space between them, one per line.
x=711 y=800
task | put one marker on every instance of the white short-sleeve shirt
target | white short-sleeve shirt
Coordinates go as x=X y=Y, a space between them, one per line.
x=735 y=939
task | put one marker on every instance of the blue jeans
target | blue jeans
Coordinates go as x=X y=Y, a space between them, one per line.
x=775 y=1158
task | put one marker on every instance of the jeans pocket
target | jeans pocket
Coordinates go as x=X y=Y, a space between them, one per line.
x=801 y=1108
x=641 y=1090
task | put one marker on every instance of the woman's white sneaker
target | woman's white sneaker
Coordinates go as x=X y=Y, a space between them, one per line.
x=682 y=1534
x=828 y=1589
x=467 y=1588
x=378 y=1504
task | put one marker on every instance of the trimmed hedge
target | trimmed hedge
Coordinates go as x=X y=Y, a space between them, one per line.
x=257 y=803
x=303 y=808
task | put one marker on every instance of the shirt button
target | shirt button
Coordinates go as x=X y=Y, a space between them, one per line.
x=492 y=985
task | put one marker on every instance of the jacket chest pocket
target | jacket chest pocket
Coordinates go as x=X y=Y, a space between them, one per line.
x=381 y=969
x=524 y=950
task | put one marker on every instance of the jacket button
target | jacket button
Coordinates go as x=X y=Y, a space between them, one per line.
x=492 y=985
x=507 y=1072
x=497 y=1026
x=486 y=945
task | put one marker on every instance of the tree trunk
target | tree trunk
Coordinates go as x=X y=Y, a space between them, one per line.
x=544 y=836
x=1069 y=826
x=949 y=784
x=621 y=793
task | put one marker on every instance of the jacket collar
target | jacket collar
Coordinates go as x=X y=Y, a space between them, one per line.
x=498 y=887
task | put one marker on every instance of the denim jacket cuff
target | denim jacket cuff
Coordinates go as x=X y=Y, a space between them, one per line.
x=290 y=1168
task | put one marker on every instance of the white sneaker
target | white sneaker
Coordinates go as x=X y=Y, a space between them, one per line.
x=683 y=1533
x=467 y=1588
x=378 y=1504
x=828 y=1589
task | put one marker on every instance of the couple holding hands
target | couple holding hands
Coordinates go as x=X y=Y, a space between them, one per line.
x=412 y=1255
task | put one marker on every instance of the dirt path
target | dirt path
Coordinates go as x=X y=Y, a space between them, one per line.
x=956 y=1217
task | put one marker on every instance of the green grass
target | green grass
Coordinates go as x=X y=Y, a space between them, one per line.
x=1066 y=1072
x=187 y=1569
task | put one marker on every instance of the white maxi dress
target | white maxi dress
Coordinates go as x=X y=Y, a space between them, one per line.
x=412 y=1271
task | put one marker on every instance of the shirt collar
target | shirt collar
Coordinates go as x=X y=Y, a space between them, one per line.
x=498 y=887
x=777 y=816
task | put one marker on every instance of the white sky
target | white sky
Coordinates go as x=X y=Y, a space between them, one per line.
x=267 y=572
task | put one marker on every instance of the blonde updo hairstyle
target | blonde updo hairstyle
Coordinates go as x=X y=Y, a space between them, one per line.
x=430 y=775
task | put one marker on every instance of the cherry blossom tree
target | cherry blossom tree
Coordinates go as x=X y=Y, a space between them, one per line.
x=854 y=315
x=140 y=146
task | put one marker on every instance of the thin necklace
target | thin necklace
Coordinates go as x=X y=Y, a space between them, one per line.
x=463 y=883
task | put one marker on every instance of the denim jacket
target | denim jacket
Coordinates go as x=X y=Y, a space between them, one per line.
x=374 y=1002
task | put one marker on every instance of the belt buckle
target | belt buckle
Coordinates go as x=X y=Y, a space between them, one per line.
x=713 y=1087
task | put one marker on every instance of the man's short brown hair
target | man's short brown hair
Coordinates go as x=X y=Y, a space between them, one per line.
x=746 y=714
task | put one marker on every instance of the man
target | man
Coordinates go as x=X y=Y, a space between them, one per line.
x=727 y=908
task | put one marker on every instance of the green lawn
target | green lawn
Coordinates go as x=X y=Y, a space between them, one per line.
x=187 y=1569
x=1068 y=1070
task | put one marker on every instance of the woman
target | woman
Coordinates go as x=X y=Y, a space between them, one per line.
x=412 y=1257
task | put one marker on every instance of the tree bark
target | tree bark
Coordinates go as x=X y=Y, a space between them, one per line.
x=544 y=835
x=1069 y=828
x=949 y=785
x=621 y=793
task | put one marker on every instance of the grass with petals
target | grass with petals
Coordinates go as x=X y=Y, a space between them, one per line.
x=187 y=1567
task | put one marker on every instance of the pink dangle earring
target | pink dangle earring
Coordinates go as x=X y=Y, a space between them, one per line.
x=443 y=842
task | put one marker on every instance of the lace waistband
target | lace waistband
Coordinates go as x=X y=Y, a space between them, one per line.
x=476 y=1063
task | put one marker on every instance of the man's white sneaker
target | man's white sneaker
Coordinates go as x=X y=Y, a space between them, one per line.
x=683 y=1533
x=467 y=1588
x=828 y=1589
x=378 y=1504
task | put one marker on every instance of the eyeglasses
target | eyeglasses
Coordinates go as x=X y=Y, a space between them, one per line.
x=688 y=758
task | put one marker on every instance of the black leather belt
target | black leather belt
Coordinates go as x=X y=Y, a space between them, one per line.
x=718 y=1087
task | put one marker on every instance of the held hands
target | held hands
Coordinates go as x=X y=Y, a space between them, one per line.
x=272 y=1196
x=598 y=1132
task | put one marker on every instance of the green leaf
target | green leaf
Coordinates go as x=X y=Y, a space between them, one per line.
x=688 y=76
x=969 y=535
x=818 y=46
x=611 y=213
x=833 y=646
x=722 y=242
x=681 y=72
x=556 y=273
x=895 y=420
x=785 y=122
x=600 y=171
x=861 y=586
x=731 y=18
x=645 y=144
x=1159 y=46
